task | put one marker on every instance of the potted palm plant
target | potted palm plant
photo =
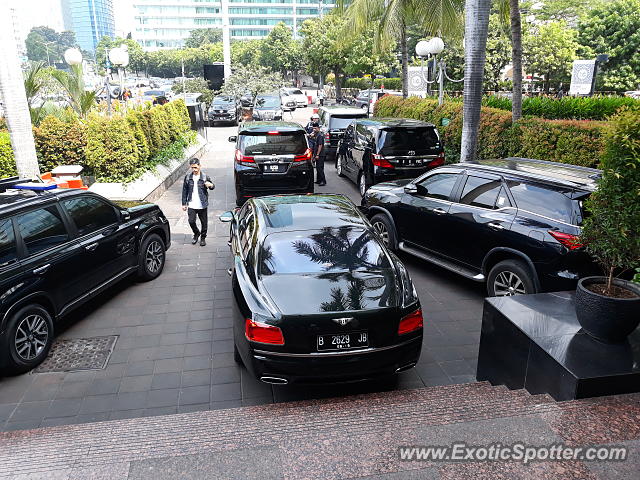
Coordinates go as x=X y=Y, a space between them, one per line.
x=607 y=307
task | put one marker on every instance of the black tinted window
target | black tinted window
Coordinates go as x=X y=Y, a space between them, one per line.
x=8 y=251
x=42 y=229
x=342 y=121
x=480 y=192
x=404 y=139
x=90 y=214
x=545 y=201
x=438 y=186
x=281 y=144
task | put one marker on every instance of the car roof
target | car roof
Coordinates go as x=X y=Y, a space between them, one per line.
x=266 y=126
x=393 y=122
x=306 y=212
x=340 y=110
x=563 y=174
x=12 y=200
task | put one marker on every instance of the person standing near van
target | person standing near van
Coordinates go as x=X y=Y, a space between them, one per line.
x=195 y=200
x=319 y=155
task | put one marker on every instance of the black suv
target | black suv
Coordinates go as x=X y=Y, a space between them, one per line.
x=381 y=149
x=271 y=157
x=60 y=248
x=333 y=121
x=513 y=222
x=224 y=109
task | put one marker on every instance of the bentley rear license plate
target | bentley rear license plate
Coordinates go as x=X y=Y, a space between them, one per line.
x=343 y=341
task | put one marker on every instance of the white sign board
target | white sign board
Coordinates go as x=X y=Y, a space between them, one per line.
x=582 y=77
x=418 y=81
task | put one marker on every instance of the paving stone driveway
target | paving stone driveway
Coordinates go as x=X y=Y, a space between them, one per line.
x=174 y=347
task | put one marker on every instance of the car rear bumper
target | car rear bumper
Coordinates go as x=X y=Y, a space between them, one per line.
x=297 y=179
x=334 y=367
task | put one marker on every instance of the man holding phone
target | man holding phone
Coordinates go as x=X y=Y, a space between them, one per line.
x=195 y=199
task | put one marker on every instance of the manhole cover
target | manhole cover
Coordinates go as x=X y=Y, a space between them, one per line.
x=78 y=354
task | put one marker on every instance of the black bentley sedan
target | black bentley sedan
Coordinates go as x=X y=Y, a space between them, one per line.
x=318 y=297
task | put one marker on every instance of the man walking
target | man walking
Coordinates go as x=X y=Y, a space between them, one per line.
x=195 y=199
x=319 y=155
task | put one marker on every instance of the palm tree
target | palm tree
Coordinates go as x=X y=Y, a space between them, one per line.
x=34 y=81
x=476 y=28
x=15 y=100
x=81 y=100
x=434 y=17
x=510 y=15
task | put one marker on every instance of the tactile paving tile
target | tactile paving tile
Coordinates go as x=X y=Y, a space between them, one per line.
x=78 y=354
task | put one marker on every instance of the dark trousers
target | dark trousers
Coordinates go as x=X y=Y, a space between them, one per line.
x=320 y=169
x=202 y=215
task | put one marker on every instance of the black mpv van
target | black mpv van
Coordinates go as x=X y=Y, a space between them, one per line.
x=271 y=158
x=59 y=249
x=382 y=149
x=334 y=120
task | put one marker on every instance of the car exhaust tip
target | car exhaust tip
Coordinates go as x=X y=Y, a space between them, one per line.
x=274 y=380
x=408 y=366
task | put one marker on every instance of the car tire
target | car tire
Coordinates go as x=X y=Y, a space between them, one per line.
x=385 y=230
x=151 y=258
x=36 y=324
x=339 y=166
x=510 y=277
x=362 y=184
x=236 y=356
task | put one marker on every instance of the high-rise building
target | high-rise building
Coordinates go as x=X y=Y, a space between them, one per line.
x=90 y=20
x=167 y=23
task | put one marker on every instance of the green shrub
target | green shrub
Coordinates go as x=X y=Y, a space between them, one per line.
x=7 y=160
x=611 y=231
x=138 y=125
x=60 y=143
x=112 y=152
x=365 y=83
x=577 y=108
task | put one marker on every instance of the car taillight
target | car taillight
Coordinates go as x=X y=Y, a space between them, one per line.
x=327 y=136
x=240 y=158
x=262 y=333
x=411 y=322
x=379 y=161
x=572 y=242
x=304 y=157
x=438 y=161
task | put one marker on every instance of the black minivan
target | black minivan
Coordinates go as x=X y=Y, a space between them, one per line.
x=271 y=158
x=382 y=149
x=334 y=120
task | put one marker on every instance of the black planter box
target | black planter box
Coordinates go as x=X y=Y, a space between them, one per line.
x=535 y=342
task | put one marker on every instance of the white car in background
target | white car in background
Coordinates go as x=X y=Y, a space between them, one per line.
x=298 y=95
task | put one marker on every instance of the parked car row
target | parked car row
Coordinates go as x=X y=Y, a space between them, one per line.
x=267 y=107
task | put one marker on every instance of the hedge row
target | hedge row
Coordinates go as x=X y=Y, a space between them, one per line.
x=7 y=160
x=365 y=83
x=576 y=108
x=567 y=141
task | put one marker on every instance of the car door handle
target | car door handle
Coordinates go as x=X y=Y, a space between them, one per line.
x=439 y=211
x=42 y=270
x=92 y=247
x=495 y=226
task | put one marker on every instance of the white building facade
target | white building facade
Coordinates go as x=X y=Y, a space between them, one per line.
x=163 y=24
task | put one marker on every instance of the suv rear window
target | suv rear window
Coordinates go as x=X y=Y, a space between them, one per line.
x=400 y=140
x=289 y=143
x=548 y=202
x=343 y=121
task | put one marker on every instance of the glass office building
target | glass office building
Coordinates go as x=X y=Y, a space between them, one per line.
x=90 y=20
x=167 y=23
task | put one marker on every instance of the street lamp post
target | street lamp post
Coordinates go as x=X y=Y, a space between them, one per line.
x=120 y=58
x=434 y=47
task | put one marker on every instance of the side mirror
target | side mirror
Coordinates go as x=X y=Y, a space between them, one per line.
x=233 y=138
x=125 y=215
x=226 y=217
x=411 y=189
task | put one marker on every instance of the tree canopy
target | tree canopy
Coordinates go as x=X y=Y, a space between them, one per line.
x=46 y=45
x=202 y=36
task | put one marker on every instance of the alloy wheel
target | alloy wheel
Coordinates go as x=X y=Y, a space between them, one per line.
x=31 y=337
x=507 y=284
x=154 y=256
x=383 y=233
x=339 y=166
x=362 y=185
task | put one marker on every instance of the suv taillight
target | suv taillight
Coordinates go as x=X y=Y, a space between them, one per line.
x=243 y=159
x=327 y=136
x=262 y=333
x=438 y=161
x=572 y=242
x=411 y=323
x=304 y=157
x=379 y=161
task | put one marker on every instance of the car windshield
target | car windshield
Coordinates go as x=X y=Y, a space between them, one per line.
x=296 y=92
x=290 y=143
x=222 y=100
x=343 y=121
x=154 y=92
x=400 y=140
x=268 y=102
x=329 y=250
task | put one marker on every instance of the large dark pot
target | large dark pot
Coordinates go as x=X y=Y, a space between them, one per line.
x=605 y=318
